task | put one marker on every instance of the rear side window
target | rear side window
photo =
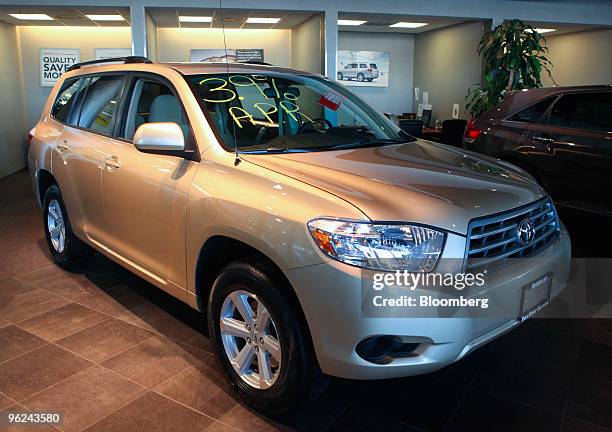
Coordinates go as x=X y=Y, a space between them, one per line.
x=533 y=113
x=588 y=111
x=373 y=66
x=99 y=111
x=65 y=101
x=363 y=65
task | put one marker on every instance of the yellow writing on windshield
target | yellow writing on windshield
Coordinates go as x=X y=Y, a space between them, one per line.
x=219 y=91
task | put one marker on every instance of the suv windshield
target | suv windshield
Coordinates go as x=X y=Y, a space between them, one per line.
x=278 y=112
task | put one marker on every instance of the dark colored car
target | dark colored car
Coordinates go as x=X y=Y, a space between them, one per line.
x=562 y=136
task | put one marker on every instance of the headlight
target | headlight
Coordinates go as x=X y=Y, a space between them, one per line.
x=379 y=246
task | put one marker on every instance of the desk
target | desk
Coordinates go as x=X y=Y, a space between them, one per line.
x=429 y=132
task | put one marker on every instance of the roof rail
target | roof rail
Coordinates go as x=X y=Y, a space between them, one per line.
x=126 y=60
x=254 y=62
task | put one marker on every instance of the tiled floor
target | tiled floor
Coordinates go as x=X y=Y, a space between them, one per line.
x=113 y=353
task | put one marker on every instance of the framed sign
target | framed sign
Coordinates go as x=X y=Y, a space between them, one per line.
x=106 y=53
x=229 y=56
x=54 y=62
x=363 y=68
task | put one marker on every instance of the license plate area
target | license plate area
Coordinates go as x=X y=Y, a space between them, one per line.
x=534 y=296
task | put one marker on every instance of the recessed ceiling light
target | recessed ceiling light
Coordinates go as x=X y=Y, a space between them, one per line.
x=253 y=20
x=105 y=17
x=32 y=16
x=346 y=22
x=195 y=19
x=408 y=25
x=541 y=30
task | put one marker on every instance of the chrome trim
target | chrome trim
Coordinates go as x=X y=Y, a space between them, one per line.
x=490 y=241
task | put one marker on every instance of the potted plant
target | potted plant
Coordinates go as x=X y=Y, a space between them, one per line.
x=514 y=57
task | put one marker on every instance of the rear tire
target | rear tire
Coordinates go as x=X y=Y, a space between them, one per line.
x=297 y=378
x=67 y=250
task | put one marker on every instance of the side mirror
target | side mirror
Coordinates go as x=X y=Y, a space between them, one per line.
x=154 y=137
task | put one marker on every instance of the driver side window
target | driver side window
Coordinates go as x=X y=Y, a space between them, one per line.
x=153 y=102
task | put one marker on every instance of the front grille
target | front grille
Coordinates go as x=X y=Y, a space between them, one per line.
x=493 y=240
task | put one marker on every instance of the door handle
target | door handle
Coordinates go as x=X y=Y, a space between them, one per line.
x=63 y=145
x=112 y=162
x=544 y=139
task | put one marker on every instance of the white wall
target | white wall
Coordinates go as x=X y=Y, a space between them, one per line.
x=175 y=44
x=307 y=46
x=397 y=98
x=32 y=39
x=446 y=64
x=12 y=113
x=580 y=58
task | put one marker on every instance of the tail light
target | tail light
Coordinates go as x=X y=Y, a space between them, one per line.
x=471 y=132
x=370 y=70
x=30 y=138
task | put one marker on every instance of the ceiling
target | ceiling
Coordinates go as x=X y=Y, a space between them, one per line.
x=229 y=18
x=236 y=19
x=380 y=23
x=562 y=28
x=66 y=16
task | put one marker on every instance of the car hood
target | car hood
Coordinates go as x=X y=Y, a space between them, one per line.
x=420 y=181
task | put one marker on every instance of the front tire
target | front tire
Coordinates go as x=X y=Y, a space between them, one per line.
x=360 y=77
x=260 y=341
x=340 y=76
x=67 y=250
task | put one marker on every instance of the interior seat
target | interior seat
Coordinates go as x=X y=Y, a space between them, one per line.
x=166 y=108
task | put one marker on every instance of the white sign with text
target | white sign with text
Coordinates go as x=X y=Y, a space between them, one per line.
x=108 y=53
x=54 y=62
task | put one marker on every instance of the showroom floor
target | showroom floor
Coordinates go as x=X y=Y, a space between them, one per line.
x=113 y=353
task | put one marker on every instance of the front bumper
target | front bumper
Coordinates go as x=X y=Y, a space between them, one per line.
x=330 y=295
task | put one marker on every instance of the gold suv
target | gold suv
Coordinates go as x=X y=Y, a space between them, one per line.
x=266 y=197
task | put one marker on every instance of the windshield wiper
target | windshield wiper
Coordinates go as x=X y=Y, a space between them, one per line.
x=276 y=150
x=366 y=143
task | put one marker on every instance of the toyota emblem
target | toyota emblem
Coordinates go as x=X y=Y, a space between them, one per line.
x=525 y=233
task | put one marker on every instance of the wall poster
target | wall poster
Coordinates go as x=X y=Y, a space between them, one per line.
x=54 y=62
x=232 y=55
x=363 y=68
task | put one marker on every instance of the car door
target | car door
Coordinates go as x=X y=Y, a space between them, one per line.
x=145 y=194
x=77 y=161
x=572 y=138
x=350 y=70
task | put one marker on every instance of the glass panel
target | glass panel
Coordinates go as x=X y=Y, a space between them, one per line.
x=99 y=110
x=153 y=102
x=533 y=113
x=290 y=112
x=66 y=100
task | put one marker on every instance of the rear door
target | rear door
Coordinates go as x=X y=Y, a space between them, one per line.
x=77 y=160
x=573 y=135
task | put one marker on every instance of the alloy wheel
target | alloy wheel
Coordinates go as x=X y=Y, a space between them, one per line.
x=55 y=225
x=250 y=339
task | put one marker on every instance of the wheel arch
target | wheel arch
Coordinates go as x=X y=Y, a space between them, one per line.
x=44 y=179
x=220 y=250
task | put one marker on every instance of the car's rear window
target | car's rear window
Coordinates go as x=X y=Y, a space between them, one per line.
x=65 y=100
x=373 y=66
x=533 y=113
